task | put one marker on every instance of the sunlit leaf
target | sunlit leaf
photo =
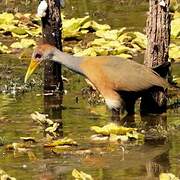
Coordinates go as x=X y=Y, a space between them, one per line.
x=74 y=24
x=173 y=5
x=18 y=146
x=67 y=34
x=126 y=37
x=140 y=42
x=124 y=50
x=174 y=52
x=87 y=52
x=95 y=26
x=112 y=129
x=99 y=137
x=4 y=49
x=63 y=141
x=5 y=176
x=6 y=18
x=135 y=135
x=125 y=56
x=7 y=27
x=175 y=28
x=19 y=30
x=80 y=175
x=52 y=128
x=35 y=32
x=61 y=149
x=167 y=176
x=99 y=42
x=109 y=35
x=41 y=118
x=24 y=43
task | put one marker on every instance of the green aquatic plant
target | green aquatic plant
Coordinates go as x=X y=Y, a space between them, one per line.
x=105 y=41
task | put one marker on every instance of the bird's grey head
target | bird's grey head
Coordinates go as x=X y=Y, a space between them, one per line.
x=43 y=52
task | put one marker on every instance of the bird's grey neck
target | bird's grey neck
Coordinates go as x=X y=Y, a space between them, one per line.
x=71 y=62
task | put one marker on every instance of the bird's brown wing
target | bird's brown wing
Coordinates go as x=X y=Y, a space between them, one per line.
x=128 y=75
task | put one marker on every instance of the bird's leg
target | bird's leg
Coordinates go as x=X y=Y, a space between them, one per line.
x=115 y=115
x=130 y=105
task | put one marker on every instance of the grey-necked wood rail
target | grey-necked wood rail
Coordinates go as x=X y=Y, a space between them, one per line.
x=120 y=81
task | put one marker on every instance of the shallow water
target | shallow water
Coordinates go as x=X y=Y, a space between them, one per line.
x=108 y=161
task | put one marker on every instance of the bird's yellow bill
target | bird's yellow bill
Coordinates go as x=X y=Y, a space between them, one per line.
x=33 y=65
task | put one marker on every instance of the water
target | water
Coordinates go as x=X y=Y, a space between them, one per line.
x=108 y=161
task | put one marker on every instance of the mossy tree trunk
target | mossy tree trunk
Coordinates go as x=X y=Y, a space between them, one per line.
x=51 y=27
x=158 y=34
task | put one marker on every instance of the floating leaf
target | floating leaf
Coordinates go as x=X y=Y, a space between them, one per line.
x=112 y=129
x=5 y=176
x=175 y=28
x=41 y=118
x=80 y=175
x=135 y=135
x=124 y=50
x=19 y=30
x=74 y=24
x=174 y=52
x=167 y=176
x=18 y=146
x=35 y=32
x=99 y=42
x=24 y=43
x=87 y=52
x=95 y=26
x=173 y=5
x=99 y=137
x=52 y=128
x=126 y=37
x=61 y=142
x=61 y=149
x=6 y=18
x=67 y=34
x=16 y=45
x=125 y=56
x=140 y=42
x=20 y=36
x=4 y=49
x=109 y=35
x=27 y=139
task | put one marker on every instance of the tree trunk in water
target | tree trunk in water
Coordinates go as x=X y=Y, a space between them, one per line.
x=51 y=27
x=158 y=34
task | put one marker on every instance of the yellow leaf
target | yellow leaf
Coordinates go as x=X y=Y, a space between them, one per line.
x=80 y=175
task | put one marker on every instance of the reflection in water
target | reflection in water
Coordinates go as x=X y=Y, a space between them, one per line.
x=159 y=164
x=53 y=107
x=155 y=127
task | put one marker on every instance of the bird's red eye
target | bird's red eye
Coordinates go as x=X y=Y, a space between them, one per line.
x=38 y=56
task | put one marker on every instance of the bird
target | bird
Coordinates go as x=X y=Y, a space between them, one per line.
x=120 y=81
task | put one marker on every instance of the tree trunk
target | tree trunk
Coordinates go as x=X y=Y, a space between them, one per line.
x=158 y=34
x=51 y=27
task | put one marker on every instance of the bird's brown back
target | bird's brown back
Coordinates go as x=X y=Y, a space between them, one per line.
x=120 y=74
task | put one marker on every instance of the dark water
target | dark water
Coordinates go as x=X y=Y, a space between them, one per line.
x=108 y=160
